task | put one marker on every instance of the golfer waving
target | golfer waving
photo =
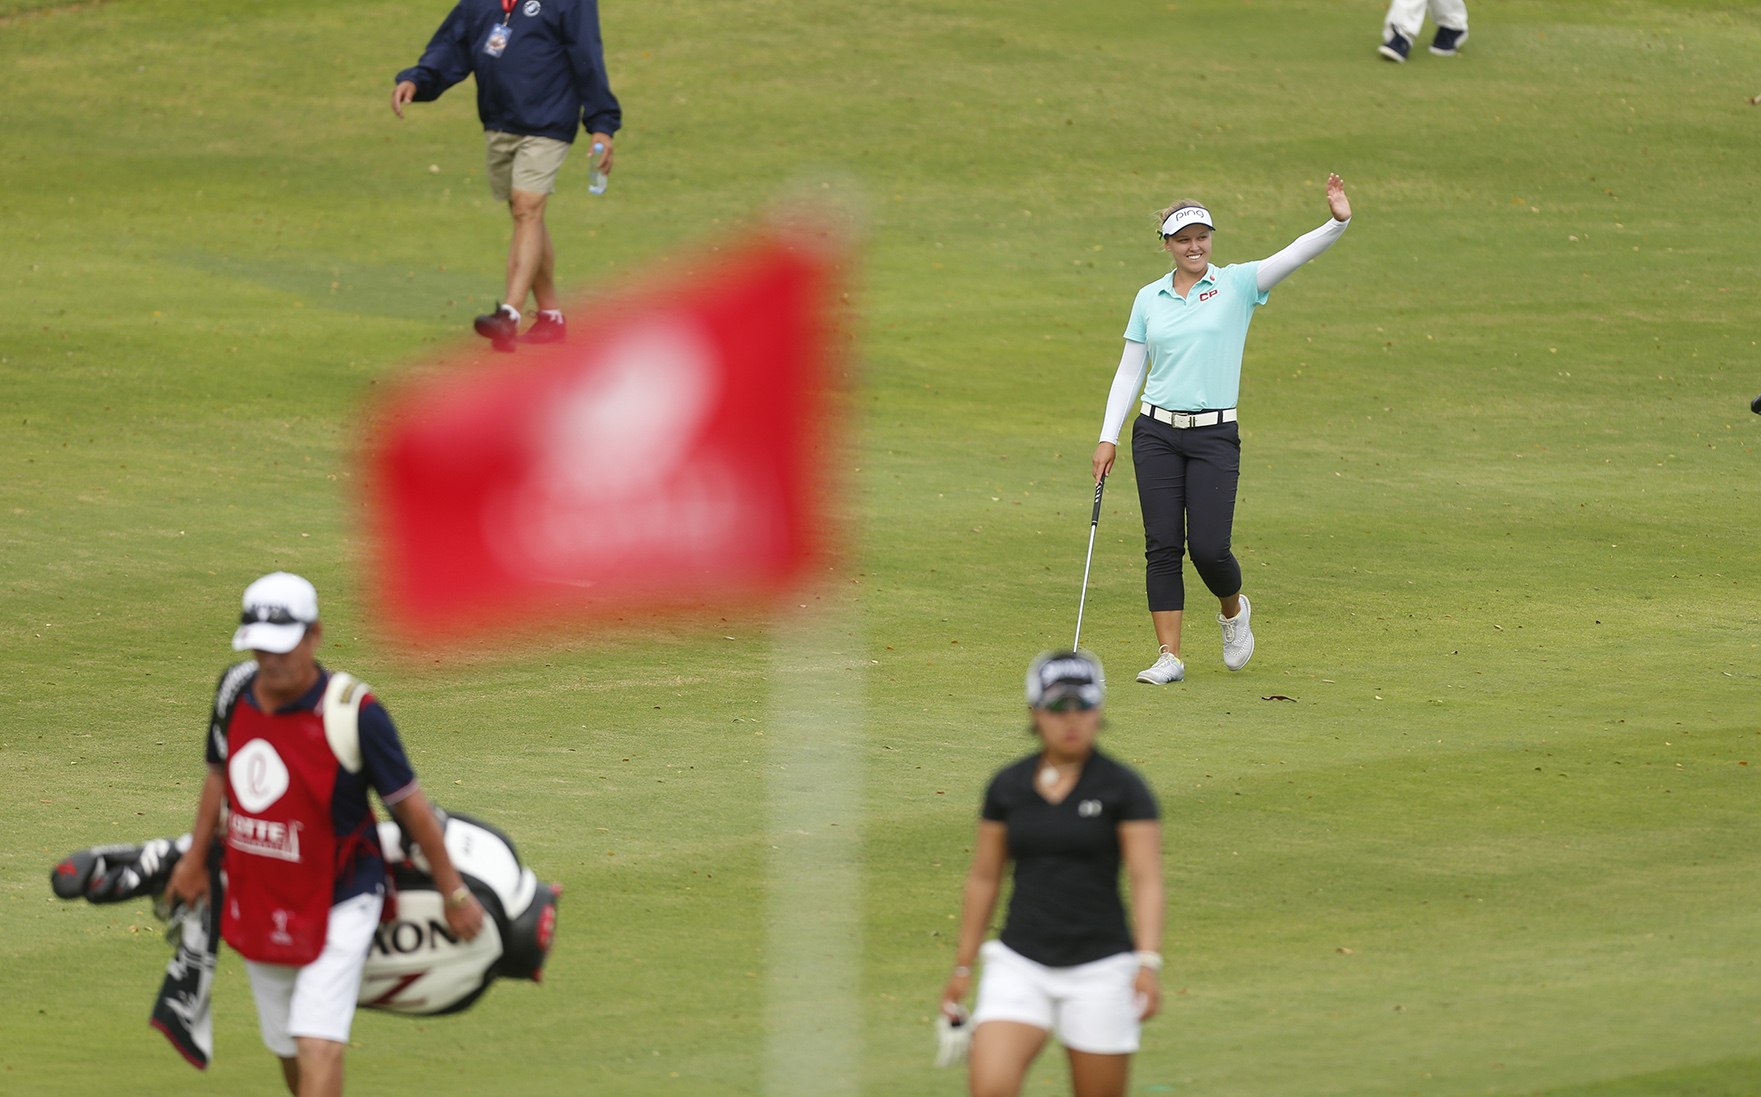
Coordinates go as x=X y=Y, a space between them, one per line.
x=1188 y=329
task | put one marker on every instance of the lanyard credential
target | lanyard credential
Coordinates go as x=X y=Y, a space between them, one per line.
x=498 y=34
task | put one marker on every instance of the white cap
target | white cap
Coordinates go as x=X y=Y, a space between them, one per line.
x=1184 y=216
x=278 y=607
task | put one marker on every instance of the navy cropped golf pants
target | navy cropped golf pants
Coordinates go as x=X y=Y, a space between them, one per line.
x=1186 y=483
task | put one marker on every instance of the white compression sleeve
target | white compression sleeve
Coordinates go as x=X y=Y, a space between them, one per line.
x=1125 y=387
x=1299 y=251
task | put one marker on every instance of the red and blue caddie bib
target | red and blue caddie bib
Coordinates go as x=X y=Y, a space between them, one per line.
x=281 y=845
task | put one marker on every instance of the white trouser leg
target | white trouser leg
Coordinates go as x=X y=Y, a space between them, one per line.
x=1405 y=17
x=1449 y=13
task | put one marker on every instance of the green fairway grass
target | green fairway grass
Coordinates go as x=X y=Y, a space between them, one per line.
x=1478 y=819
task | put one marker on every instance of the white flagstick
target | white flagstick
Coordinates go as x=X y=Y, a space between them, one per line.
x=1094 y=523
x=814 y=804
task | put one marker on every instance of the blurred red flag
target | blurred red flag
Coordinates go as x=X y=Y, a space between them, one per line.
x=667 y=456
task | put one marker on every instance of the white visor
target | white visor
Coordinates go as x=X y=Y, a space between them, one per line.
x=1055 y=675
x=1189 y=215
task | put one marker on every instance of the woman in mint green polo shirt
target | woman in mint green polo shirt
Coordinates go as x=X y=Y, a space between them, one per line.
x=1189 y=328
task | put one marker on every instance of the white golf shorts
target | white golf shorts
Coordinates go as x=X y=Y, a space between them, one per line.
x=318 y=999
x=1090 y=1007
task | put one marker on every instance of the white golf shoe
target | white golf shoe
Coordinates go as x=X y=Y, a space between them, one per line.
x=1167 y=668
x=1237 y=637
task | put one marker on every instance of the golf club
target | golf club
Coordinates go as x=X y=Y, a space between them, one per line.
x=1094 y=522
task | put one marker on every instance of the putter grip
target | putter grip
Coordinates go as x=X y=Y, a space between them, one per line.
x=1100 y=486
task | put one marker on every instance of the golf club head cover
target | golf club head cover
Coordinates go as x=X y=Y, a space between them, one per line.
x=117 y=873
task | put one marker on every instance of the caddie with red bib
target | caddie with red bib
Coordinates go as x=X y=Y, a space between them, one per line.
x=292 y=751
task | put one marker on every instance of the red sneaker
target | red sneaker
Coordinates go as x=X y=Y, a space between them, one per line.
x=546 y=330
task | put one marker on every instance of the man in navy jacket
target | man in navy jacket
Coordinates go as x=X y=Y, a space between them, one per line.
x=540 y=69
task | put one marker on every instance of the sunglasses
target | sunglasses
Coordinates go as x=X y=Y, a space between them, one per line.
x=1070 y=704
x=269 y=615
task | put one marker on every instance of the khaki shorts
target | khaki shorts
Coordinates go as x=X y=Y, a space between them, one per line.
x=518 y=162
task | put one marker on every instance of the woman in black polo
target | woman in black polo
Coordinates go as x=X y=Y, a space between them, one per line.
x=1067 y=962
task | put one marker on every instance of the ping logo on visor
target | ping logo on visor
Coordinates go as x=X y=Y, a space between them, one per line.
x=1188 y=215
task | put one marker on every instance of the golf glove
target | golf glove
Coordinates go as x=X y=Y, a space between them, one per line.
x=953 y=1037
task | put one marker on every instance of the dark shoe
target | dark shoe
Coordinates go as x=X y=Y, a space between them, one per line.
x=1396 y=48
x=499 y=327
x=1448 y=42
x=546 y=330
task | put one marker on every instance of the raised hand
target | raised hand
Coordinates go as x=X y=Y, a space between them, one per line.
x=1336 y=199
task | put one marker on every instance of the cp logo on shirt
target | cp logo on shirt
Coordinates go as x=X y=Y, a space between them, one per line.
x=1208 y=294
x=259 y=776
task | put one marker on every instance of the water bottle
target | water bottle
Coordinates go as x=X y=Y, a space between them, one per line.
x=596 y=179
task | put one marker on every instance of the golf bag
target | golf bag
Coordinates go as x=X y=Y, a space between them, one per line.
x=415 y=966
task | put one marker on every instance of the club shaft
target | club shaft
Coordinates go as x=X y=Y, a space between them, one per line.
x=1076 y=644
x=1094 y=523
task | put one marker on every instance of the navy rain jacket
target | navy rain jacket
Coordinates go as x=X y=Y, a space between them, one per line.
x=549 y=79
